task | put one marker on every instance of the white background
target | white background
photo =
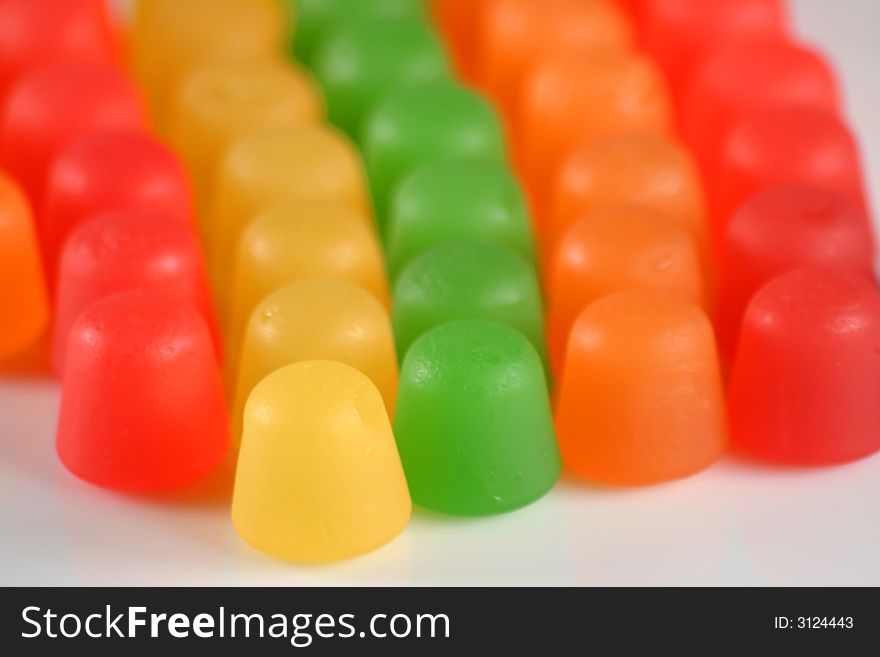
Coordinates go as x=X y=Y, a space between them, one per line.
x=738 y=523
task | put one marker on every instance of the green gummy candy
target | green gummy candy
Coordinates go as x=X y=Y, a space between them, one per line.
x=419 y=124
x=467 y=280
x=473 y=421
x=454 y=201
x=361 y=61
x=314 y=19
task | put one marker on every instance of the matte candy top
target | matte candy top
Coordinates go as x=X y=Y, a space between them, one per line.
x=612 y=250
x=108 y=171
x=473 y=421
x=141 y=366
x=24 y=305
x=36 y=32
x=806 y=378
x=649 y=172
x=450 y=201
x=317 y=319
x=318 y=478
x=316 y=18
x=128 y=250
x=741 y=79
x=51 y=106
x=679 y=33
x=513 y=34
x=297 y=240
x=359 y=62
x=298 y=163
x=170 y=37
x=419 y=124
x=219 y=103
x=786 y=145
x=567 y=102
x=784 y=228
x=467 y=280
x=641 y=400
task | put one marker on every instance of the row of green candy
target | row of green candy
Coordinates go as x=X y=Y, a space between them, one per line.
x=473 y=421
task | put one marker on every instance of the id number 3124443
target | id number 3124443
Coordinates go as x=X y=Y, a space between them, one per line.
x=813 y=623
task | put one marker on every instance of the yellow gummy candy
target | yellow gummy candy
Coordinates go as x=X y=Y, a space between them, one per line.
x=318 y=318
x=260 y=170
x=293 y=241
x=319 y=478
x=220 y=102
x=169 y=37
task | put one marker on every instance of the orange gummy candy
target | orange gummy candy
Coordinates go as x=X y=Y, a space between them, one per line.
x=612 y=250
x=24 y=307
x=512 y=34
x=641 y=401
x=565 y=102
x=650 y=172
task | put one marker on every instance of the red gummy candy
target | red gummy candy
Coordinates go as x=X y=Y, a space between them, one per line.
x=36 y=32
x=105 y=172
x=128 y=250
x=679 y=33
x=781 y=229
x=785 y=145
x=50 y=107
x=806 y=379
x=741 y=79
x=142 y=407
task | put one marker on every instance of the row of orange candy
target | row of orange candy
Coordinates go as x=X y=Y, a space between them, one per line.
x=692 y=150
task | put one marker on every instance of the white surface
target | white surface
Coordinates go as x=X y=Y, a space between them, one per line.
x=737 y=523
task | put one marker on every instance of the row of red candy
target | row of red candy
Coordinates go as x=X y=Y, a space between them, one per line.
x=93 y=204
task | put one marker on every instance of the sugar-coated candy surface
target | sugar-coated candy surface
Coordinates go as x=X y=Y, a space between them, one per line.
x=473 y=421
x=786 y=228
x=467 y=280
x=679 y=34
x=51 y=106
x=782 y=145
x=566 y=102
x=109 y=171
x=302 y=163
x=359 y=62
x=297 y=240
x=740 y=79
x=318 y=478
x=317 y=319
x=612 y=250
x=36 y=32
x=513 y=34
x=142 y=405
x=420 y=124
x=641 y=400
x=128 y=250
x=170 y=37
x=315 y=19
x=448 y=201
x=806 y=379
x=638 y=171
x=24 y=306
x=219 y=103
